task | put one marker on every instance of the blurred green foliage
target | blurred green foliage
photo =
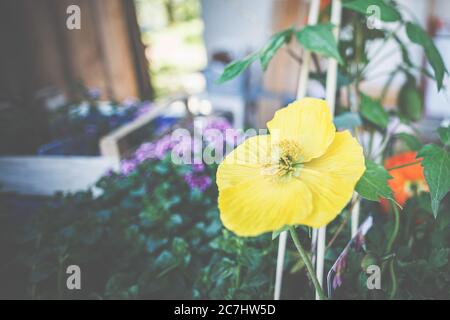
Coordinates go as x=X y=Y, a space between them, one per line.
x=149 y=235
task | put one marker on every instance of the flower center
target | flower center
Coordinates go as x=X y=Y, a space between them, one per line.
x=286 y=160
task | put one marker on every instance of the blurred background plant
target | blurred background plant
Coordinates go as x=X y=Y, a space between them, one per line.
x=172 y=31
x=153 y=233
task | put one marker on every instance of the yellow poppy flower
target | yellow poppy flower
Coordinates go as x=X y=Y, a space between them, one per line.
x=304 y=172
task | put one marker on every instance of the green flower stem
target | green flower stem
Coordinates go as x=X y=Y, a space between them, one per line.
x=388 y=83
x=238 y=276
x=167 y=270
x=389 y=250
x=394 y=233
x=307 y=262
x=404 y=165
x=393 y=279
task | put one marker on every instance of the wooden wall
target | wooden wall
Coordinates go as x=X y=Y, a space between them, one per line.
x=38 y=51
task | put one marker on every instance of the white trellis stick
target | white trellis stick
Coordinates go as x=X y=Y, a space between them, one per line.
x=320 y=257
x=331 y=84
x=280 y=264
x=355 y=214
x=355 y=208
x=313 y=17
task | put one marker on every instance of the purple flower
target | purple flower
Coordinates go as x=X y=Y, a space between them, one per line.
x=128 y=166
x=200 y=182
x=148 y=151
x=337 y=281
x=181 y=145
x=339 y=268
x=228 y=134
x=163 y=145
x=129 y=102
x=218 y=123
x=198 y=167
x=359 y=241
x=94 y=93
x=143 y=109
x=144 y=152
x=109 y=173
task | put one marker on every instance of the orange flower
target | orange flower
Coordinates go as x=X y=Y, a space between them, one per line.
x=406 y=181
x=324 y=4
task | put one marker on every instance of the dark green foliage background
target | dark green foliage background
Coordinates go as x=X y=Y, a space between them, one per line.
x=149 y=236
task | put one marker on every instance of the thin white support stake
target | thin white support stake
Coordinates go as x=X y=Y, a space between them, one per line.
x=280 y=264
x=331 y=85
x=355 y=214
x=313 y=17
x=321 y=238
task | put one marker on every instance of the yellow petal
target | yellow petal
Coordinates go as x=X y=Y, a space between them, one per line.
x=264 y=204
x=251 y=201
x=308 y=122
x=332 y=178
x=244 y=162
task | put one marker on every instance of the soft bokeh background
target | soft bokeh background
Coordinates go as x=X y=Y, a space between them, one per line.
x=81 y=110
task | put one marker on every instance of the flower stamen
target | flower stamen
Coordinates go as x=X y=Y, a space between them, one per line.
x=286 y=160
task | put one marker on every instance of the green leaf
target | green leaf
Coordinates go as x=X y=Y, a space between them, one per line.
x=235 y=68
x=436 y=165
x=412 y=142
x=250 y=257
x=319 y=38
x=410 y=101
x=404 y=51
x=372 y=111
x=347 y=120
x=388 y=13
x=444 y=134
x=439 y=257
x=418 y=36
x=373 y=185
x=164 y=260
x=343 y=80
x=276 y=233
x=443 y=221
x=275 y=43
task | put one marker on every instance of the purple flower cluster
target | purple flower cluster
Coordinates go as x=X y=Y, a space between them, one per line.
x=142 y=110
x=94 y=93
x=339 y=269
x=132 y=103
x=157 y=150
x=219 y=133
x=360 y=241
x=196 y=181
x=341 y=263
x=154 y=150
x=128 y=166
x=148 y=151
x=218 y=123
